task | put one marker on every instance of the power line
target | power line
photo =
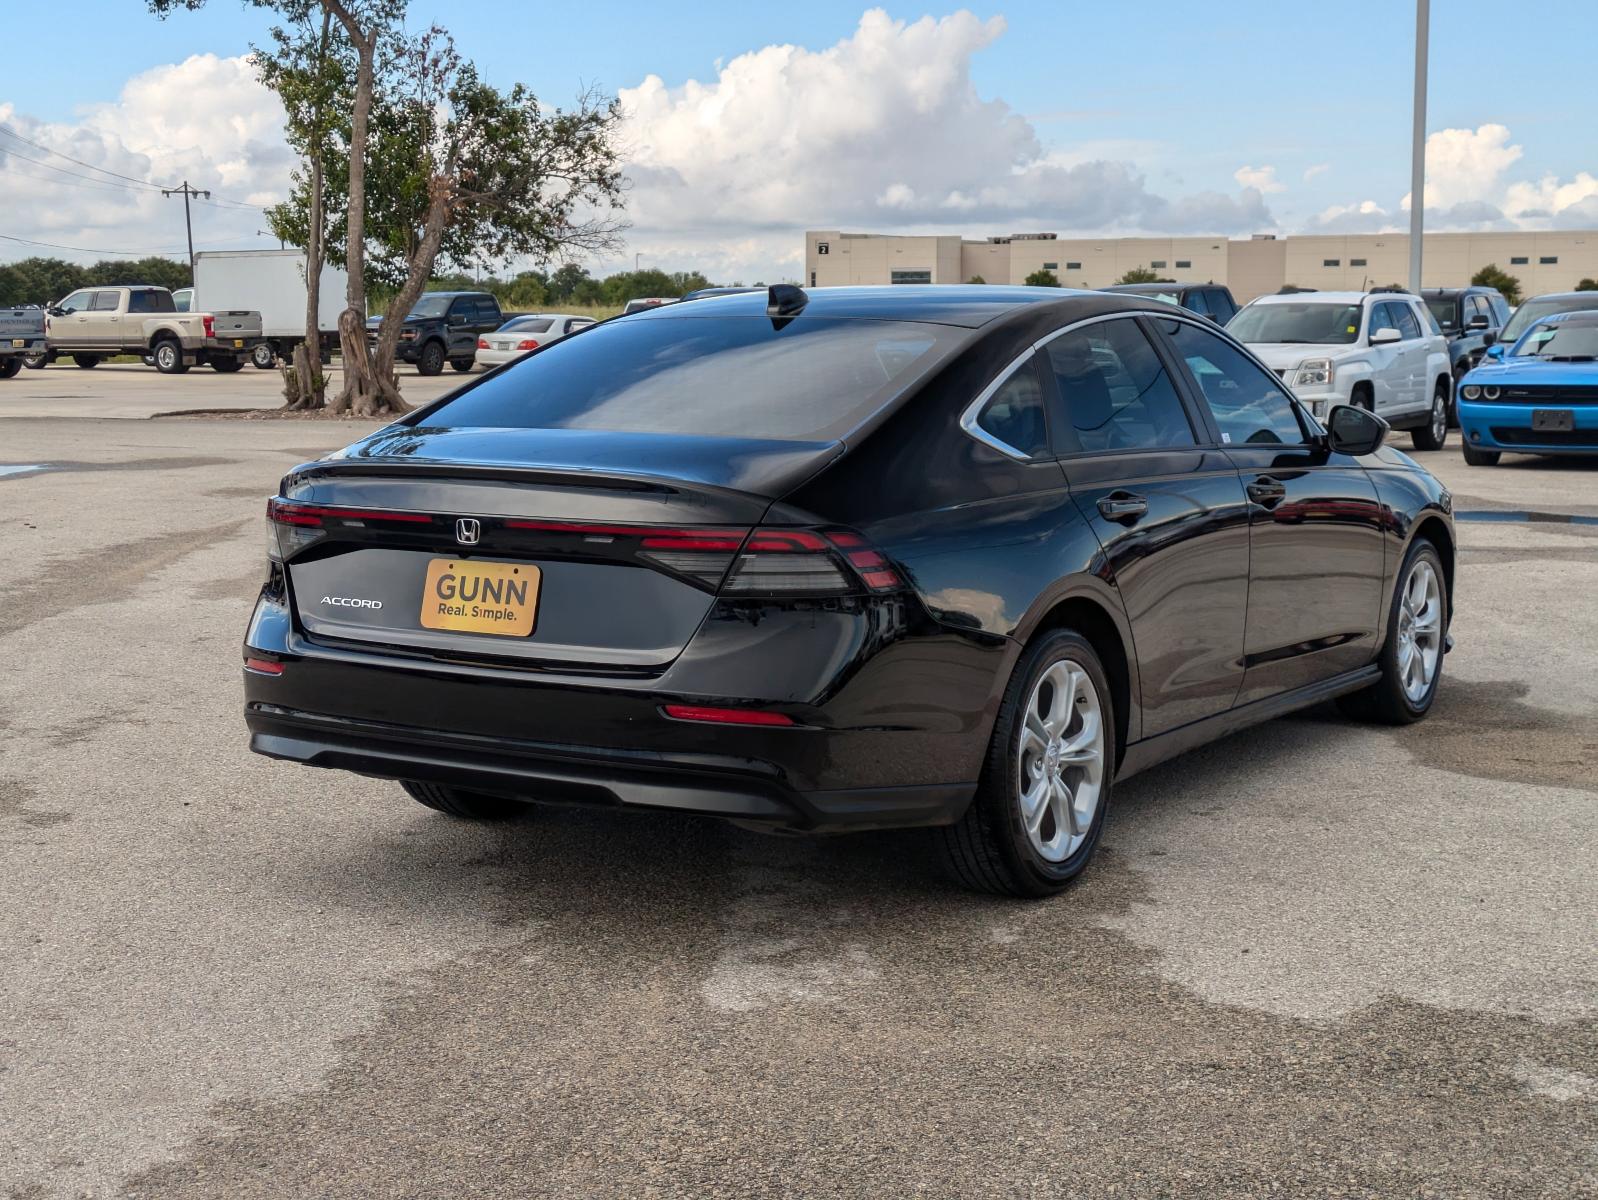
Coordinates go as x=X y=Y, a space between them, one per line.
x=99 y=185
x=74 y=174
x=10 y=132
x=86 y=249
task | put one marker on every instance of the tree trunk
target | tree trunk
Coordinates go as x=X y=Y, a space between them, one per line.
x=312 y=383
x=441 y=193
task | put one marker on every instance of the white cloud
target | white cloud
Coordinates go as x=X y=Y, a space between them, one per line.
x=1570 y=204
x=1262 y=179
x=1466 y=164
x=205 y=119
x=1317 y=169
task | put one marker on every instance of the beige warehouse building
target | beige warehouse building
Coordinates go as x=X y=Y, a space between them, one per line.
x=1551 y=261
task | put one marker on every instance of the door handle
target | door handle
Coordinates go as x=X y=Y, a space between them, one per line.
x=1123 y=506
x=1267 y=492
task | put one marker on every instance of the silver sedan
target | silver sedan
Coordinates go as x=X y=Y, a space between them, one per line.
x=520 y=334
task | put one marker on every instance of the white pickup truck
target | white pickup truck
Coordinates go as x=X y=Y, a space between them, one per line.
x=21 y=334
x=1381 y=351
x=97 y=322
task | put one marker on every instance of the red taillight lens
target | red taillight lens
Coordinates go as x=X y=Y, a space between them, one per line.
x=527 y=344
x=482 y=343
x=725 y=716
x=286 y=512
x=210 y=325
x=263 y=666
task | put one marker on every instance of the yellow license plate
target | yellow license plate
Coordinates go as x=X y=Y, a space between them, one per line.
x=480 y=597
x=238 y=343
x=18 y=343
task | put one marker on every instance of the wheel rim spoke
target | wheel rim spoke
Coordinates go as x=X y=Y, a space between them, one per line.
x=1060 y=754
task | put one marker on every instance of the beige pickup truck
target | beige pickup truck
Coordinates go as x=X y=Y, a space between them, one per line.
x=97 y=322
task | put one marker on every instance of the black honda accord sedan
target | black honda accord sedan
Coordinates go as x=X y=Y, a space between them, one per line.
x=856 y=558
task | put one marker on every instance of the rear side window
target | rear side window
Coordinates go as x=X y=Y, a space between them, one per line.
x=487 y=310
x=151 y=302
x=1407 y=324
x=527 y=325
x=1014 y=414
x=105 y=302
x=1115 y=392
x=801 y=379
x=1248 y=403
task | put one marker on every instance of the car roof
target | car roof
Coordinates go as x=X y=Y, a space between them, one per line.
x=1459 y=291
x=1559 y=296
x=967 y=305
x=1146 y=288
x=1329 y=297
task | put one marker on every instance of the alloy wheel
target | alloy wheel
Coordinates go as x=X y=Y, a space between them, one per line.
x=1060 y=761
x=1439 y=417
x=1420 y=631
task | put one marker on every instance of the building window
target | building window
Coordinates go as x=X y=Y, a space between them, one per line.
x=1519 y=262
x=1183 y=264
x=1356 y=262
x=1071 y=266
x=1331 y=262
x=823 y=248
x=812 y=279
x=1548 y=260
x=1051 y=266
x=910 y=277
x=1157 y=263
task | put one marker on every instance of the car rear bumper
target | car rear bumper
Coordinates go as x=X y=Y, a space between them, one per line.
x=1509 y=427
x=727 y=786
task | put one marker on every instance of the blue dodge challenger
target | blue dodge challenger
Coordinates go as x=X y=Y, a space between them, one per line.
x=1538 y=397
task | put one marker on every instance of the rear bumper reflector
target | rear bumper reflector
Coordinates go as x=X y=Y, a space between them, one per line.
x=263 y=666
x=725 y=716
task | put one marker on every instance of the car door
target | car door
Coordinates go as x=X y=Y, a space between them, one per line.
x=1167 y=507
x=1416 y=348
x=460 y=327
x=104 y=329
x=1389 y=374
x=1315 y=523
x=70 y=330
x=1197 y=300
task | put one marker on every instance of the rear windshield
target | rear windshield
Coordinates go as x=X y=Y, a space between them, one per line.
x=1445 y=310
x=1534 y=310
x=813 y=379
x=527 y=325
x=1310 y=321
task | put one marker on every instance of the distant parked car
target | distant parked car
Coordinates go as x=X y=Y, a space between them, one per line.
x=1210 y=300
x=21 y=335
x=1471 y=319
x=1538 y=397
x=519 y=335
x=1376 y=350
x=444 y=327
x=643 y=302
x=1529 y=312
x=99 y=322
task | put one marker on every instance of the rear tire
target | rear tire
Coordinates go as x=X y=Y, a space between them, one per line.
x=1067 y=759
x=264 y=357
x=9 y=366
x=87 y=361
x=461 y=364
x=431 y=361
x=466 y=805
x=169 y=357
x=1389 y=701
x=1433 y=434
x=227 y=365
x=1481 y=458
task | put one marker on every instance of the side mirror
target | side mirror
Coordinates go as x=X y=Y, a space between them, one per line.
x=1496 y=350
x=1352 y=430
x=1490 y=338
x=1386 y=336
x=1477 y=322
x=55 y=311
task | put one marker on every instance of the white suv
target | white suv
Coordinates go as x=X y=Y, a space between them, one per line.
x=1379 y=350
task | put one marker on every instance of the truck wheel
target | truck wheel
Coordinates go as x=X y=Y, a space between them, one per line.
x=1481 y=458
x=147 y=359
x=462 y=364
x=86 y=361
x=227 y=365
x=1434 y=433
x=432 y=360
x=10 y=366
x=264 y=357
x=169 y=357
x=37 y=362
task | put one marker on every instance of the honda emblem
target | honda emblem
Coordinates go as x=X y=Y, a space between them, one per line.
x=468 y=530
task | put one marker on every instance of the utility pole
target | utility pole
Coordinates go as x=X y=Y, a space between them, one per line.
x=186 y=191
x=1417 y=169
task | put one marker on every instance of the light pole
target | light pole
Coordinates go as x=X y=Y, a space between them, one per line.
x=1417 y=167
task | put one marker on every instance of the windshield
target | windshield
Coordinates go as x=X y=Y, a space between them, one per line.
x=1306 y=321
x=1445 y=310
x=1559 y=342
x=526 y=325
x=431 y=306
x=1534 y=310
x=810 y=379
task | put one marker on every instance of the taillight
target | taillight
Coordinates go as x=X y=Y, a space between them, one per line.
x=482 y=343
x=803 y=562
x=295 y=526
x=527 y=344
x=210 y=325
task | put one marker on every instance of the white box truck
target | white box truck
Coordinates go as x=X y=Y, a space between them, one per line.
x=271 y=282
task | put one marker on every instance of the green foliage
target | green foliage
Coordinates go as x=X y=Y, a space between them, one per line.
x=1491 y=276
x=41 y=280
x=569 y=287
x=1141 y=275
x=1042 y=278
x=976 y=279
x=1587 y=285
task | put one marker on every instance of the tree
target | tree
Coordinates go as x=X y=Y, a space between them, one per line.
x=155 y=271
x=1491 y=276
x=564 y=282
x=976 y=279
x=1142 y=275
x=1042 y=278
x=1587 y=285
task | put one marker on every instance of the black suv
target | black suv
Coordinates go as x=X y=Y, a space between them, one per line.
x=1210 y=300
x=444 y=327
x=1471 y=318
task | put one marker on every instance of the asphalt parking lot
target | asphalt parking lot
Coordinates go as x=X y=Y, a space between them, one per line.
x=1315 y=959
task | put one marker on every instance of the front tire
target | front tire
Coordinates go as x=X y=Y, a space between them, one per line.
x=1412 y=654
x=9 y=366
x=466 y=805
x=431 y=361
x=461 y=364
x=169 y=357
x=87 y=361
x=227 y=365
x=1040 y=807
x=1434 y=433
x=1481 y=458
x=264 y=357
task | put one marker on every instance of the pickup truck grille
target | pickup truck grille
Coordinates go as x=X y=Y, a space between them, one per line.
x=1548 y=396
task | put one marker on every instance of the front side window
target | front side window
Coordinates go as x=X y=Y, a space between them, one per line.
x=1014 y=413
x=1114 y=391
x=1249 y=405
x=809 y=379
x=1383 y=316
x=1221 y=306
x=1308 y=322
x=1198 y=302
x=77 y=302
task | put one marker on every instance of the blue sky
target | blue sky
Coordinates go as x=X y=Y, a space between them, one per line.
x=1182 y=94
